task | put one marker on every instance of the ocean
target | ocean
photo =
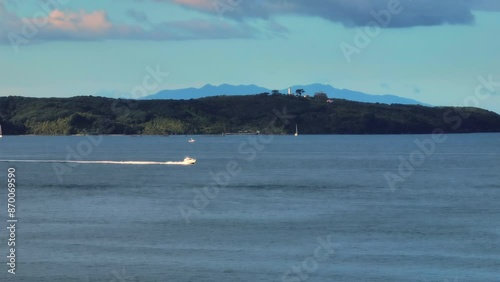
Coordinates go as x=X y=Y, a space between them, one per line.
x=253 y=208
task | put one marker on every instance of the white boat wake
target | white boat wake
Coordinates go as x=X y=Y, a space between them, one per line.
x=186 y=161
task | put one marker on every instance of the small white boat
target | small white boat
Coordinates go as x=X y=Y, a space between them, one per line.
x=188 y=160
x=296 y=130
x=191 y=140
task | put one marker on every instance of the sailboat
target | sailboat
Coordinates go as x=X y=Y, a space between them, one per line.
x=296 y=130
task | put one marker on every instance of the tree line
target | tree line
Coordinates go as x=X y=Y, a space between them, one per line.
x=233 y=114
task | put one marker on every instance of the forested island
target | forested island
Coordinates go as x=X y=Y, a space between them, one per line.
x=250 y=114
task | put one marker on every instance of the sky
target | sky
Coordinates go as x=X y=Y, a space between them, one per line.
x=440 y=52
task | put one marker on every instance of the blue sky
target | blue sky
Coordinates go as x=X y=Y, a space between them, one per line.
x=431 y=51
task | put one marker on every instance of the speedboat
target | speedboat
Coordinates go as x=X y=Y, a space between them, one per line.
x=188 y=160
x=191 y=140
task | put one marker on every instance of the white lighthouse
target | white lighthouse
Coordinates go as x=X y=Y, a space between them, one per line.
x=289 y=90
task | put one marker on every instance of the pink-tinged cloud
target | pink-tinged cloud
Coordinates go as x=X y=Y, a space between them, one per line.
x=199 y=4
x=95 y=25
x=95 y=21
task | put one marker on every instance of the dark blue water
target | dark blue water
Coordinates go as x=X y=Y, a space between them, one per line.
x=270 y=203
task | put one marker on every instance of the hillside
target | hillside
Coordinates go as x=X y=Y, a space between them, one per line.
x=356 y=95
x=232 y=114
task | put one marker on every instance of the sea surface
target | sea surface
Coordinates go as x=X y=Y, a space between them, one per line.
x=274 y=208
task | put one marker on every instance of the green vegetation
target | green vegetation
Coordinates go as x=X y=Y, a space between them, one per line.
x=233 y=114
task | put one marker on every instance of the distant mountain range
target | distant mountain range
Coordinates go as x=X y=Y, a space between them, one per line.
x=332 y=92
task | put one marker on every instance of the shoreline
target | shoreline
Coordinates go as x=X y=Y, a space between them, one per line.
x=246 y=134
